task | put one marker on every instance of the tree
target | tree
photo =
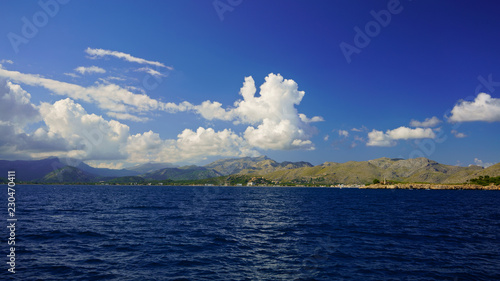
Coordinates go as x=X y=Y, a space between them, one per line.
x=375 y=181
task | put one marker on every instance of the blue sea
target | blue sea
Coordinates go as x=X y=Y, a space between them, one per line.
x=252 y=233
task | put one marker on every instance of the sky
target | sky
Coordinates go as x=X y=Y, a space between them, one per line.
x=119 y=83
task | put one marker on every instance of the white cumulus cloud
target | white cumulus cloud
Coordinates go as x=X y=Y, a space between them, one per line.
x=189 y=146
x=274 y=120
x=483 y=108
x=16 y=107
x=277 y=135
x=69 y=131
x=16 y=112
x=89 y=136
x=427 y=123
x=378 y=138
x=271 y=116
x=389 y=138
x=305 y=119
x=458 y=134
x=89 y=69
x=404 y=133
x=480 y=162
x=343 y=133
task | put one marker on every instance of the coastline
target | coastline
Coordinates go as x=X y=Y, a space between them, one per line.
x=428 y=186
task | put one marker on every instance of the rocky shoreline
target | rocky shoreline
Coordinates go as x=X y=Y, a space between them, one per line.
x=432 y=186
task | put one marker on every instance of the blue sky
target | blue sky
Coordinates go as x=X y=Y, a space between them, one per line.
x=118 y=83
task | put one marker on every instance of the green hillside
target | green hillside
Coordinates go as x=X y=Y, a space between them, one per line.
x=252 y=165
x=411 y=170
x=68 y=174
x=182 y=173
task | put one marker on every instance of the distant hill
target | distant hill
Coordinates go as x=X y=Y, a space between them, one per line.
x=68 y=174
x=182 y=173
x=492 y=171
x=150 y=167
x=252 y=165
x=28 y=170
x=398 y=170
x=411 y=170
x=103 y=172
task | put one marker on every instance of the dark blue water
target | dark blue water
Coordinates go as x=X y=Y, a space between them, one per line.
x=258 y=233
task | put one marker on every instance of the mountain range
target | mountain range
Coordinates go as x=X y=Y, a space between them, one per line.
x=57 y=170
x=399 y=170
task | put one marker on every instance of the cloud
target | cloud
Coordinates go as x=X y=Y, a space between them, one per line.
x=343 y=133
x=115 y=78
x=326 y=137
x=69 y=131
x=213 y=110
x=16 y=107
x=98 y=53
x=90 y=69
x=70 y=74
x=304 y=118
x=126 y=116
x=362 y=129
x=357 y=139
x=273 y=118
x=458 y=134
x=16 y=112
x=277 y=100
x=275 y=106
x=151 y=71
x=483 y=108
x=189 y=146
x=6 y=61
x=427 y=123
x=110 y=97
x=16 y=144
x=479 y=162
x=405 y=133
x=277 y=135
x=378 y=138
x=89 y=137
x=105 y=164
x=208 y=142
x=173 y=107
x=389 y=138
